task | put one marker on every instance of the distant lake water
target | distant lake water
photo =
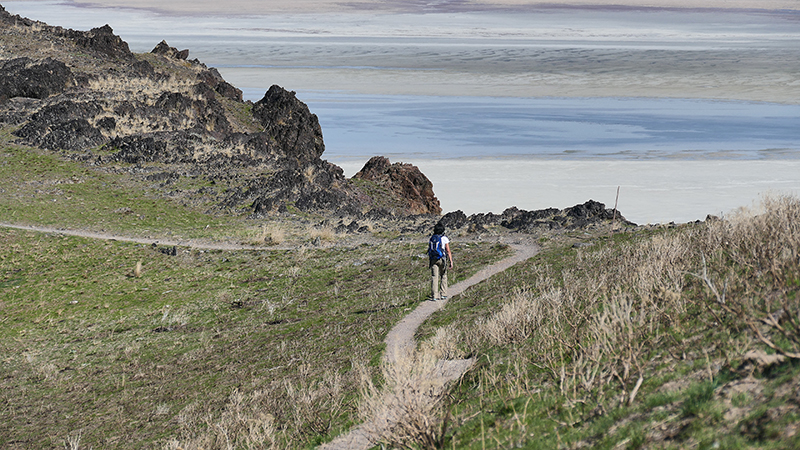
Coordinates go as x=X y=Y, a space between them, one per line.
x=425 y=127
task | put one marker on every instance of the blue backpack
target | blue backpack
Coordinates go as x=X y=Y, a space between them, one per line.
x=435 y=250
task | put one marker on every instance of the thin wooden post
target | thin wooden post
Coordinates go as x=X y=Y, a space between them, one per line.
x=614 y=218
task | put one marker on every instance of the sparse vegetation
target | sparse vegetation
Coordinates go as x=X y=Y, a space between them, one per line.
x=202 y=348
x=649 y=340
x=661 y=336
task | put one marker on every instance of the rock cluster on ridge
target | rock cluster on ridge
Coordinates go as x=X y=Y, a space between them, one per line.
x=578 y=216
x=163 y=117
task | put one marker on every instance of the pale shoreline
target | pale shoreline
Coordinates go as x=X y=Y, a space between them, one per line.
x=756 y=87
x=650 y=191
x=250 y=7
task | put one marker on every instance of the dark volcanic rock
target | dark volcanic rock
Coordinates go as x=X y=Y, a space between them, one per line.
x=162 y=113
x=23 y=77
x=212 y=78
x=102 y=40
x=405 y=181
x=454 y=219
x=138 y=149
x=319 y=186
x=164 y=49
x=63 y=126
x=288 y=121
x=578 y=216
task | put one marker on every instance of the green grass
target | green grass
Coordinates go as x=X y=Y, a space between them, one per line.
x=690 y=358
x=40 y=188
x=133 y=361
x=88 y=339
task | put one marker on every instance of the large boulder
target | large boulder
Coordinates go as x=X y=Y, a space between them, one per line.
x=103 y=40
x=162 y=48
x=212 y=78
x=63 y=126
x=405 y=181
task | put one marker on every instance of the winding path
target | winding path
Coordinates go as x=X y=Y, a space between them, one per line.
x=401 y=338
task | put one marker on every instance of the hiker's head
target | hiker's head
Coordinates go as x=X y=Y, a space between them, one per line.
x=438 y=229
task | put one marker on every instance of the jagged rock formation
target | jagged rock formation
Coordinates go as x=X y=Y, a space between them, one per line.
x=412 y=187
x=163 y=117
x=578 y=216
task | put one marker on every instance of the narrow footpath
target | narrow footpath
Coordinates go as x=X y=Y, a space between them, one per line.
x=189 y=243
x=401 y=338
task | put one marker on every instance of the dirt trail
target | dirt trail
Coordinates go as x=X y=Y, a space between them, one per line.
x=191 y=243
x=401 y=338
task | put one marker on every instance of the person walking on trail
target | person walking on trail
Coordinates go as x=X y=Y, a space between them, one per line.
x=440 y=257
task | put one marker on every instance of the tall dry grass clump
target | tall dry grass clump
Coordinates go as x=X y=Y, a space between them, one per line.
x=749 y=266
x=242 y=425
x=591 y=325
x=595 y=326
x=444 y=344
x=270 y=234
x=322 y=233
x=289 y=413
x=408 y=410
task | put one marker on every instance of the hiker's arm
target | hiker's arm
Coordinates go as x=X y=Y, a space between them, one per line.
x=449 y=254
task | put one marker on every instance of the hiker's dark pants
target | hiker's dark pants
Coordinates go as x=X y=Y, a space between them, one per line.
x=439 y=279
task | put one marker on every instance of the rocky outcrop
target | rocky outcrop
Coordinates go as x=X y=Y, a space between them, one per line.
x=63 y=126
x=288 y=122
x=24 y=77
x=214 y=80
x=413 y=189
x=578 y=216
x=102 y=40
x=162 y=48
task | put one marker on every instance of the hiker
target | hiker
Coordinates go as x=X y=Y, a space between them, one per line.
x=439 y=257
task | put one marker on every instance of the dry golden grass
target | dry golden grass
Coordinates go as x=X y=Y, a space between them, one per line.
x=146 y=90
x=750 y=266
x=241 y=425
x=271 y=234
x=600 y=325
x=590 y=331
x=444 y=344
x=323 y=233
x=408 y=410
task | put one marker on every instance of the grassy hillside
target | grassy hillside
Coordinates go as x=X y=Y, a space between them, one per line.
x=673 y=338
x=109 y=344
